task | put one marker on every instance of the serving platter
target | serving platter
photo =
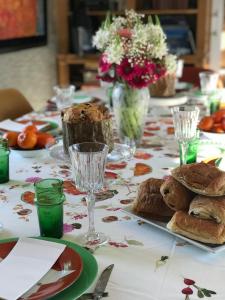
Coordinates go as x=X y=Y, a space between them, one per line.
x=168 y=101
x=162 y=226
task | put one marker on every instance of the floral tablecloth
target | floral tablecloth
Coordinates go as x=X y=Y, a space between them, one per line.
x=149 y=263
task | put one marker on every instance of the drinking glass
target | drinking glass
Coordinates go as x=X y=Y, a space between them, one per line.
x=64 y=96
x=88 y=164
x=49 y=202
x=208 y=81
x=185 y=119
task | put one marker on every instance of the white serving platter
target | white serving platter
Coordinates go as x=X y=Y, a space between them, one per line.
x=168 y=101
x=162 y=225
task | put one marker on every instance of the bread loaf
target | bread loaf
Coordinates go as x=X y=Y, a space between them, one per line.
x=88 y=122
x=197 y=229
x=149 y=201
x=176 y=195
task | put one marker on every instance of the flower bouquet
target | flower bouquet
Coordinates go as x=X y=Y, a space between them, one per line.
x=134 y=55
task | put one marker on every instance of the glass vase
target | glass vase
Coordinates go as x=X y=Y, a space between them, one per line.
x=130 y=108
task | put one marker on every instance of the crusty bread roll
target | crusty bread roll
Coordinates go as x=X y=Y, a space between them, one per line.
x=197 y=229
x=201 y=178
x=176 y=195
x=210 y=208
x=149 y=201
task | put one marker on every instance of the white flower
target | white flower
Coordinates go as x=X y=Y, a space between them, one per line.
x=114 y=52
x=171 y=63
x=101 y=39
x=151 y=38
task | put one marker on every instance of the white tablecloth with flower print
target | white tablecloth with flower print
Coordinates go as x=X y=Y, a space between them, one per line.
x=149 y=263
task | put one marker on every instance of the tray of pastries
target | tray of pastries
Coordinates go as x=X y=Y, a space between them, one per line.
x=190 y=204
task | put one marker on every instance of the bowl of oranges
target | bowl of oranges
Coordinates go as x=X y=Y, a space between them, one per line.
x=213 y=127
x=30 y=142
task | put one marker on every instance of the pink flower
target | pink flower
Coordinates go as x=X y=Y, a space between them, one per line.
x=125 y=70
x=104 y=65
x=125 y=32
x=105 y=77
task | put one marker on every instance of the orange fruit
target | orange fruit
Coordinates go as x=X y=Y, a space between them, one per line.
x=206 y=123
x=217 y=116
x=31 y=128
x=44 y=139
x=11 y=136
x=27 y=140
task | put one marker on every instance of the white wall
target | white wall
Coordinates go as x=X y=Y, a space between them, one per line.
x=32 y=71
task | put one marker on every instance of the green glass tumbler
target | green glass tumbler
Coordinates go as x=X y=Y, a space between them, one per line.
x=4 y=160
x=192 y=151
x=49 y=202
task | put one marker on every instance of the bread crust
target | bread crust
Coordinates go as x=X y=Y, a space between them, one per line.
x=197 y=229
x=176 y=195
x=201 y=178
x=149 y=202
x=209 y=208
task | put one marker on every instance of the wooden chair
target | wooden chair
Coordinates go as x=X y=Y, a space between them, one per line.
x=13 y=104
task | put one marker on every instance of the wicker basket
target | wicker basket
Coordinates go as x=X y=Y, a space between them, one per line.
x=164 y=87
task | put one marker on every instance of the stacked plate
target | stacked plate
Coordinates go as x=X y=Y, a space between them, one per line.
x=71 y=275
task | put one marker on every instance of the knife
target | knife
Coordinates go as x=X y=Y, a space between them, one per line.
x=102 y=283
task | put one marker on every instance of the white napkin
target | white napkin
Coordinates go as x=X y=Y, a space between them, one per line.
x=10 y=125
x=25 y=265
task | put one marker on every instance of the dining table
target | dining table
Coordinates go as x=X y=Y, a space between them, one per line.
x=149 y=263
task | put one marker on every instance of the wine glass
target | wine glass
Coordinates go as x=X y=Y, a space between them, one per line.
x=185 y=119
x=88 y=164
x=64 y=96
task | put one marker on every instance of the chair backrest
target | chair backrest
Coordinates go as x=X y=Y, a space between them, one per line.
x=13 y=104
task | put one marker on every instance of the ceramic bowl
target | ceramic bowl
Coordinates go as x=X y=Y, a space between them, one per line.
x=216 y=137
x=32 y=153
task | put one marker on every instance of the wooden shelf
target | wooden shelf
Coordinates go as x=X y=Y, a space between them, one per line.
x=90 y=61
x=190 y=11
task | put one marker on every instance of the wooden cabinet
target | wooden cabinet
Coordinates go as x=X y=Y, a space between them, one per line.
x=200 y=11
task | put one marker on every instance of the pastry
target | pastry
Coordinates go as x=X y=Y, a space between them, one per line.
x=88 y=122
x=210 y=208
x=201 y=178
x=197 y=229
x=149 y=201
x=176 y=195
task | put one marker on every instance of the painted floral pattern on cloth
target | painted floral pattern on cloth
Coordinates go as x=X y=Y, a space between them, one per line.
x=191 y=287
x=122 y=178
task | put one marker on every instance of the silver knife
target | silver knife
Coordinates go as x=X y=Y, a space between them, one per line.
x=102 y=283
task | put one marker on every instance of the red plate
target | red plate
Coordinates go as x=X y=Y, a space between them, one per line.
x=68 y=258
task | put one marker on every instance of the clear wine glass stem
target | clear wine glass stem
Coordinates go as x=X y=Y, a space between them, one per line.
x=183 y=152
x=90 y=207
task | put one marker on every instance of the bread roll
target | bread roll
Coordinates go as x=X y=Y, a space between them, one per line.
x=209 y=208
x=197 y=229
x=201 y=178
x=176 y=195
x=149 y=201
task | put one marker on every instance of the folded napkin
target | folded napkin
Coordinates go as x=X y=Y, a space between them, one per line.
x=10 y=125
x=25 y=265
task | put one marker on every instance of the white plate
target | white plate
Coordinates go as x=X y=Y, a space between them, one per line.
x=162 y=226
x=168 y=101
x=29 y=153
x=216 y=137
